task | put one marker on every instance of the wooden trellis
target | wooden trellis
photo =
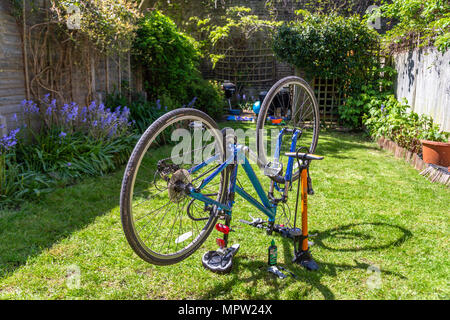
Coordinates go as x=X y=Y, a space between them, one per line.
x=329 y=99
x=252 y=67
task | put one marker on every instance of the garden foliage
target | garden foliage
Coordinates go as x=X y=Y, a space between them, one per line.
x=333 y=47
x=426 y=22
x=170 y=59
x=392 y=119
x=70 y=142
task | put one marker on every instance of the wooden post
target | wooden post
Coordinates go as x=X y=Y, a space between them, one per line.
x=129 y=78
x=93 y=84
x=25 y=52
x=107 y=74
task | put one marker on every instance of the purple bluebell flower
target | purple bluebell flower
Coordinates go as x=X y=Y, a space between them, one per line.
x=192 y=103
x=62 y=134
x=72 y=115
x=14 y=117
x=383 y=107
x=92 y=106
x=30 y=106
x=65 y=109
x=9 y=141
x=125 y=112
x=69 y=164
x=49 y=111
x=158 y=104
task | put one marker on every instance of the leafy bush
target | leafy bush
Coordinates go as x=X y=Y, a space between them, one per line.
x=360 y=102
x=168 y=55
x=170 y=59
x=333 y=47
x=71 y=142
x=391 y=119
x=328 y=46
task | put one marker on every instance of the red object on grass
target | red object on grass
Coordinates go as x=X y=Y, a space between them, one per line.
x=220 y=242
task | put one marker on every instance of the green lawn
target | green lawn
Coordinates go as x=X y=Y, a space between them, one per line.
x=370 y=211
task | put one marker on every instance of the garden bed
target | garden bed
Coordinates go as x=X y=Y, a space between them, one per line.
x=412 y=158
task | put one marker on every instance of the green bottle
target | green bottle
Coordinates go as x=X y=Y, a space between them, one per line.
x=273 y=252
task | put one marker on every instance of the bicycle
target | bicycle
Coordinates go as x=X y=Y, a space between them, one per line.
x=197 y=187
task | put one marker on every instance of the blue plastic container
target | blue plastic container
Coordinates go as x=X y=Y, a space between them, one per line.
x=257 y=107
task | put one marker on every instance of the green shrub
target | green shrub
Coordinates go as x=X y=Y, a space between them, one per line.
x=209 y=97
x=168 y=56
x=333 y=47
x=392 y=119
x=360 y=102
x=170 y=60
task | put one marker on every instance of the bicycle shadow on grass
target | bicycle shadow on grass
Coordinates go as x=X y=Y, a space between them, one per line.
x=307 y=280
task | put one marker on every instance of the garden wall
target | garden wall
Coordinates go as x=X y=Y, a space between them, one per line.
x=424 y=80
x=12 y=89
x=71 y=73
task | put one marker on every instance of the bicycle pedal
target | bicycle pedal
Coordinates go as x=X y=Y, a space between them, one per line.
x=220 y=261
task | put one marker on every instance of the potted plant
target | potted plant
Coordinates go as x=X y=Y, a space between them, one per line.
x=435 y=144
x=436 y=152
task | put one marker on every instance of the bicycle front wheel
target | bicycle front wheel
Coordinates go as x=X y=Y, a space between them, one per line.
x=161 y=222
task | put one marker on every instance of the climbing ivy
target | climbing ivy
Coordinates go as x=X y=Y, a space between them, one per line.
x=424 y=22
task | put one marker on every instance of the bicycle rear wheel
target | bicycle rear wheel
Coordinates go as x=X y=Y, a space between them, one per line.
x=292 y=101
x=162 y=224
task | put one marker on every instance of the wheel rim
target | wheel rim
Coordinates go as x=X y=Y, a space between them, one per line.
x=296 y=104
x=158 y=216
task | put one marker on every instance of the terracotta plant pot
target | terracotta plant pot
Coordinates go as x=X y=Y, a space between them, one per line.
x=437 y=153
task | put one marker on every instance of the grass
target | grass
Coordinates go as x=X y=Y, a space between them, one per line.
x=371 y=213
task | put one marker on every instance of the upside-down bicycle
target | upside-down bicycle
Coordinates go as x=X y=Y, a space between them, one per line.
x=182 y=177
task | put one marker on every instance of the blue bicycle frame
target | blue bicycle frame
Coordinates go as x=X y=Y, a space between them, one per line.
x=237 y=158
